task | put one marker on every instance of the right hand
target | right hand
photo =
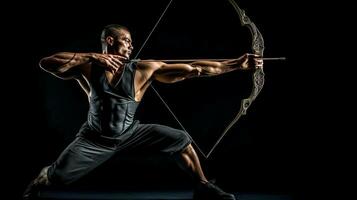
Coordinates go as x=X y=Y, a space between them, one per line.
x=110 y=62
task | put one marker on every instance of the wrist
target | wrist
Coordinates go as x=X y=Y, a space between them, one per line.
x=91 y=57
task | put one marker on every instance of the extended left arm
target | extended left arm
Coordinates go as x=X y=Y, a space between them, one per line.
x=170 y=73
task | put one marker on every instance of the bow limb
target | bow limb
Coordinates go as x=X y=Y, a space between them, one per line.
x=258 y=76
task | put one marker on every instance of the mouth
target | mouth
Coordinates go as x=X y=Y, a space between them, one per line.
x=128 y=52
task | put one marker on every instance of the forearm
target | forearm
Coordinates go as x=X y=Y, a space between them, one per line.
x=171 y=73
x=211 y=68
x=63 y=62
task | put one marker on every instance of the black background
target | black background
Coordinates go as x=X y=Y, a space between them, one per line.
x=280 y=146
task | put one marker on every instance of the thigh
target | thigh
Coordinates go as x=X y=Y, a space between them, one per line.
x=78 y=159
x=156 y=138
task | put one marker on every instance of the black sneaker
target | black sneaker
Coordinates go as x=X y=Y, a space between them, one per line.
x=32 y=190
x=209 y=191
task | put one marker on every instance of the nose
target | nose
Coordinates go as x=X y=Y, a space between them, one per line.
x=131 y=47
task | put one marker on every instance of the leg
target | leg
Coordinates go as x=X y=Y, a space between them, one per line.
x=189 y=161
x=174 y=142
x=78 y=159
x=158 y=138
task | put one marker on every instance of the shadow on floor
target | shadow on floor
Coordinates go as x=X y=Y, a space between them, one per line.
x=144 y=195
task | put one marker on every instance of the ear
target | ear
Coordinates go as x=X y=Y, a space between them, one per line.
x=109 y=40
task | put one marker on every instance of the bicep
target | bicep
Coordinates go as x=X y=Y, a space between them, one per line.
x=170 y=73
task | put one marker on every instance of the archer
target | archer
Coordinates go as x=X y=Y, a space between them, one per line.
x=115 y=87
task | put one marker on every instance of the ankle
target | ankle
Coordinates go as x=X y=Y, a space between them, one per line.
x=201 y=181
x=42 y=178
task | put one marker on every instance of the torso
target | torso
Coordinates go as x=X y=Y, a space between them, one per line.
x=142 y=79
x=113 y=99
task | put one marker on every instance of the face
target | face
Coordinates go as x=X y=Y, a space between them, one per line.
x=121 y=44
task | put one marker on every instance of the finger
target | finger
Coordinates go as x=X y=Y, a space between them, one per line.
x=252 y=55
x=258 y=61
x=113 y=60
x=105 y=61
x=245 y=64
x=259 y=66
x=118 y=62
x=113 y=66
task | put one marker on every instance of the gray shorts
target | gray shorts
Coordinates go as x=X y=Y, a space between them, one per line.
x=89 y=149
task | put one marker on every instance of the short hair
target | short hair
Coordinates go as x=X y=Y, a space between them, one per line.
x=111 y=30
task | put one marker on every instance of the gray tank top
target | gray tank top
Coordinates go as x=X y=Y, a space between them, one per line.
x=112 y=109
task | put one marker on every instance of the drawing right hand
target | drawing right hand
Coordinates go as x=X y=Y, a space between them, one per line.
x=110 y=62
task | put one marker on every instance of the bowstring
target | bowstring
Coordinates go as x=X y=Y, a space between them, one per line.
x=157 y=93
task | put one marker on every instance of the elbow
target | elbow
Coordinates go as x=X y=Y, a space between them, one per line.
x=55 y=66
x=48 y=65
x=45 y=64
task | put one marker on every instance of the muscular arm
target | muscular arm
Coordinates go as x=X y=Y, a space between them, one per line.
x=68 y=65
x=170 y=73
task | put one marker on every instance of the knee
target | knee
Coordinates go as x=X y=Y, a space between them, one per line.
x=188 y=150
x=185 y=152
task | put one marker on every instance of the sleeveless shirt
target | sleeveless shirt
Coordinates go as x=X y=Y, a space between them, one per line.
x=112 y=108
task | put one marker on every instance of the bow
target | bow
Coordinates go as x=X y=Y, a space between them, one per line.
x=258 y=75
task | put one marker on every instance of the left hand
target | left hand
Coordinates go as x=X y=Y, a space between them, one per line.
x=250 y=61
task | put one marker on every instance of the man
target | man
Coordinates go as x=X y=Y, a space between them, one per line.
x=115 y=87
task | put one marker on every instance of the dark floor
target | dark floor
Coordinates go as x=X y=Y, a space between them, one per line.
x=144 y=195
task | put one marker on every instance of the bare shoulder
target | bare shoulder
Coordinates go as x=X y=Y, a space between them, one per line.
x=146 y=69
x=149 y=65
